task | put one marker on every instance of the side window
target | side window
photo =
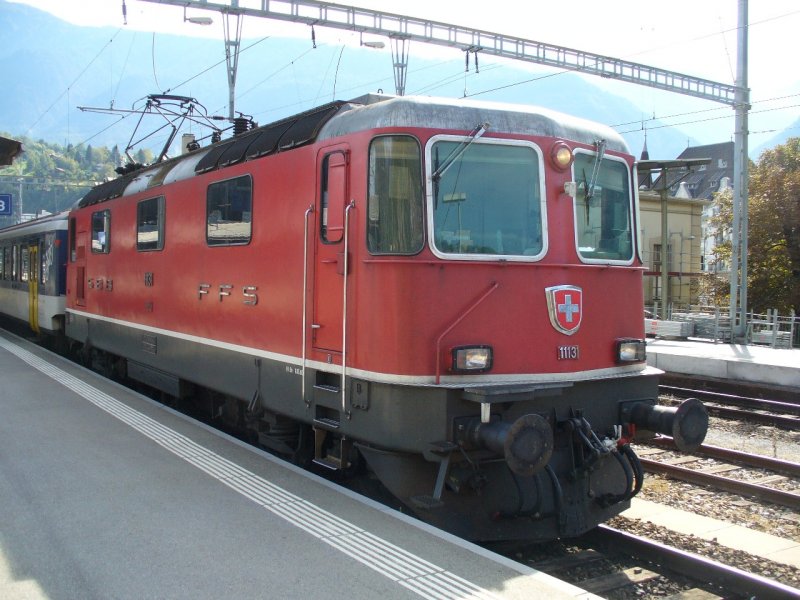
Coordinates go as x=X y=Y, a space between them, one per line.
x=101 y=231
x=334 y=197
x=229 y=212
x=395 y=197
x=2 y=263
x=150 y=224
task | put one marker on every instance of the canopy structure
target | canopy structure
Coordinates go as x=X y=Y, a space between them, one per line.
x=9 y=150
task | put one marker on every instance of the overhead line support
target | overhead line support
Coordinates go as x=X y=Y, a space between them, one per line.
x=363 y=20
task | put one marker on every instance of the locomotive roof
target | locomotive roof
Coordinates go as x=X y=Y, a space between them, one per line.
x=372 y=112
x=366 y=112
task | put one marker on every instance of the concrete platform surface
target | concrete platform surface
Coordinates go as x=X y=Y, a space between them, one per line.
x=761 y=544
x=735 y=362
x=105 y=494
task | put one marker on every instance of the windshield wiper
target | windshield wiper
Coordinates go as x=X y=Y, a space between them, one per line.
x=600 y=145
x=459 y=150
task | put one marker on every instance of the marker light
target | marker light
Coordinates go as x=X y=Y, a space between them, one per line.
x=472 y=358
x=631 y=350
x=561 y=156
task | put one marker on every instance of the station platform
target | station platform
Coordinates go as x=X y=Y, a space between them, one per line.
x=106 y=494
x=732 y=362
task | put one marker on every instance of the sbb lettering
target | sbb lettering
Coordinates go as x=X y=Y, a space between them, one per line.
x=226 y=290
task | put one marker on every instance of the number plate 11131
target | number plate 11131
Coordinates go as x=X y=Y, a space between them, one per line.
x=568 y=353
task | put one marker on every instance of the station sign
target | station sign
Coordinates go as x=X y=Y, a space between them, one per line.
x=5 y=205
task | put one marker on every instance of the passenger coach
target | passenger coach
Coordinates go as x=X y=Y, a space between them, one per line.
x=33 y=259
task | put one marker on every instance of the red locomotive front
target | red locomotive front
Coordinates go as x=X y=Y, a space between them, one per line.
x=448 y=290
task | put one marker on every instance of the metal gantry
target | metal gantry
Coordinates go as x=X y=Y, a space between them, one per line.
x=364 y=20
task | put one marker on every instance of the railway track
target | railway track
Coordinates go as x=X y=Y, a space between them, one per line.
x=707 y=578
x=777 y=413
x=612 y=563
x=657 y=459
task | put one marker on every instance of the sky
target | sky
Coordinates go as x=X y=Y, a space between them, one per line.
x=695 y=37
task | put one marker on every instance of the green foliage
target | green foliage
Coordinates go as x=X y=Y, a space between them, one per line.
x=773 y=235
x=52 y=177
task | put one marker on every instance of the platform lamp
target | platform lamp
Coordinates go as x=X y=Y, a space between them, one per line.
x=197 y=20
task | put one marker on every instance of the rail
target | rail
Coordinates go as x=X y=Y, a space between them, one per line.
x=694 y=566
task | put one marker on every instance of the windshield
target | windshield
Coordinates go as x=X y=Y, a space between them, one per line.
x=603 y=210
x=488 y=202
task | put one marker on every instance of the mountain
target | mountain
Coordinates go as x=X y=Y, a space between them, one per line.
x=51 y=68
x=779 y=138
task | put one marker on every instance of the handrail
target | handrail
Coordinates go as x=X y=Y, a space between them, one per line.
x=494 y=285
x=309 y=210
x=344 y=303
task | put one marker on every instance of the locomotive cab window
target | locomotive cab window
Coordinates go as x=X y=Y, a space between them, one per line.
x=101 y=232
x=150 y=224
x=602 y=209
x=486 y=199
x=334 y=197
x=395 y=221
x=229 y=212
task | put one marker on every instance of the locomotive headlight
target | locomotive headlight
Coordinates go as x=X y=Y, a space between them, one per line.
x=561 y=156
x=631 y=350
x=472 y=358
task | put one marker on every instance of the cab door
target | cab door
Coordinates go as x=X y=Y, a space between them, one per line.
x=329 y=276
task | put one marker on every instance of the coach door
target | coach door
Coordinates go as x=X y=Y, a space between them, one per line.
x=33 y=287
x=77 y=257
x=329 y=280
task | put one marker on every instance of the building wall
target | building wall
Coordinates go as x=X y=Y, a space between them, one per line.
x=684 y=225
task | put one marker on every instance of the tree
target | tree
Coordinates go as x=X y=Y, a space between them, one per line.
x=775 y=228
x=773 y=240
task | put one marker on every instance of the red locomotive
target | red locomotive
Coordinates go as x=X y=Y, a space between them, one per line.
x=449 y=291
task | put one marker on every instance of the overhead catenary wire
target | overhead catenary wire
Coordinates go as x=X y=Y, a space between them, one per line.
x=74 y=81
x=752 y=112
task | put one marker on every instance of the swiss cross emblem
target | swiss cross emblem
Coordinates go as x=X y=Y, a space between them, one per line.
x=565 y=307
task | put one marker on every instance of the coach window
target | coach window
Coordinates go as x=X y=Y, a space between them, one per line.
x=14 y=262
x=24 y=264
x=6 y=266
x=150 y=224
x=395 y=215
x=2 y=263
x=229 y=216
x=603 y=209
x=101 y=231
